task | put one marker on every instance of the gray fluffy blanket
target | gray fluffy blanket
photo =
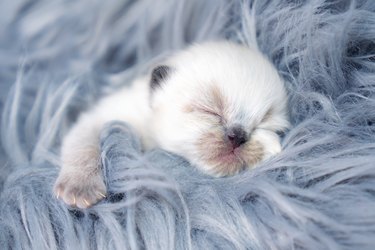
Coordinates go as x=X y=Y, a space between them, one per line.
x=58 y=57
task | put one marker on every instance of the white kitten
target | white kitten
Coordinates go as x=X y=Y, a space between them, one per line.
x=218 y=104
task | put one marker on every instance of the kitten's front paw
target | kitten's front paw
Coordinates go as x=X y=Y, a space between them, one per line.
x=79 y=189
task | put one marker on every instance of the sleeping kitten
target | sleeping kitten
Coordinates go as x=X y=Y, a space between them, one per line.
x=217 y=104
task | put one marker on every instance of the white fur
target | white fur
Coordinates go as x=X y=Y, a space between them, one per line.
x=247 y=81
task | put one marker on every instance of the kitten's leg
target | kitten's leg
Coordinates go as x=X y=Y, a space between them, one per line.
x=80 y=182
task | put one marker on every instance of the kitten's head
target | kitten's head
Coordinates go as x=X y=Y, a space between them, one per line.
x=219 y=105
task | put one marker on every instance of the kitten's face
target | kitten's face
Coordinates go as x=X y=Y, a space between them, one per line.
x=220 y=106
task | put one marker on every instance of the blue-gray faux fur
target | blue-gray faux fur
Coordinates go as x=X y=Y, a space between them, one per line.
x=58 y=57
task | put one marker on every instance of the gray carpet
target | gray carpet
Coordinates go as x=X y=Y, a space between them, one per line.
x=58 y=57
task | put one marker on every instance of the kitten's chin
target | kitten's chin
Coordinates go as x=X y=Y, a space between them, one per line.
x=232 y=158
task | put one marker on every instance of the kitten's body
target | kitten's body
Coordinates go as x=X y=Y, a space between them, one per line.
x=217 y=104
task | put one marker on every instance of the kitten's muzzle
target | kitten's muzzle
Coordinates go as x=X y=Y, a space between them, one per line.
x=236 y=136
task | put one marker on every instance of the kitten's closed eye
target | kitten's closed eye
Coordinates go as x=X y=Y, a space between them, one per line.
x=208 y=112
x=202 y=110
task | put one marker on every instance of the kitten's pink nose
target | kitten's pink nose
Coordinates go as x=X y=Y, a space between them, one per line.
x=236 y=136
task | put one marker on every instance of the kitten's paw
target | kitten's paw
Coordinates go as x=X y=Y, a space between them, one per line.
x=79 y=189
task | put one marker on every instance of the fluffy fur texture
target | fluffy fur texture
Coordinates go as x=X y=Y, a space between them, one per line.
x=58 y=57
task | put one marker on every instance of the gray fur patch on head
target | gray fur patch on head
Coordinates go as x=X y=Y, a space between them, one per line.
x=158 y=75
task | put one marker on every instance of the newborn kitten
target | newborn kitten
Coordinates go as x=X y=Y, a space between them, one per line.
x=217 y=104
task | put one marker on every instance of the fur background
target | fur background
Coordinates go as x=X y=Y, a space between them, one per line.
x=57 y=58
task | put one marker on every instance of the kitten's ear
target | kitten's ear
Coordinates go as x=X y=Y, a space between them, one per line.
x=158 y=75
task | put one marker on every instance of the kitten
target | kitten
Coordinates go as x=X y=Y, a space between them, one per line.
x=218 y=104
